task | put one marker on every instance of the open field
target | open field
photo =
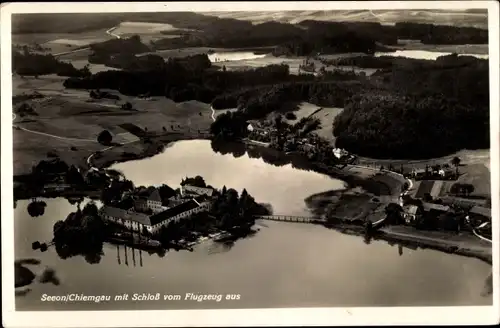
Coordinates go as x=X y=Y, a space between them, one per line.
x=477 y=175
x=69 y=118
x=325 y=114
x=94 y=68
x=61 y=42
x=72 y=57
x=30 y=148
x=140 y=28
x=479 y=156
x=305 y=110
x=443 y=17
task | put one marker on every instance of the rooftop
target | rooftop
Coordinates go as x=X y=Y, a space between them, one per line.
x=436 y=207
x=152 y=194
x=208 y=191
x=171 y=212
x=126 y=215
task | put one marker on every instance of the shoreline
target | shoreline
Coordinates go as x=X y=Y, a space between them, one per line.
x=350 y=178
x=417 y=242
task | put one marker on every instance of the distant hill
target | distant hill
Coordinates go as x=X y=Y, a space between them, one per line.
x=81 y=22
x=471 y=17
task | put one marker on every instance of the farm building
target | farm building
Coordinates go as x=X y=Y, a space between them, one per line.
x=411 y=213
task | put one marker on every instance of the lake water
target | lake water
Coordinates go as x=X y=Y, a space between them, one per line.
x=234 y=56
x=423 y=54
x=283 y=265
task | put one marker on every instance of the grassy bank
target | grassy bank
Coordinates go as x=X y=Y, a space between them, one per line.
x=464 y=244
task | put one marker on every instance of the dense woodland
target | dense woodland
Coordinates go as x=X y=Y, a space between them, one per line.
x=396 y=112
x=305 y=38
x=392 y=113
x=35 y=64
x=395 y=126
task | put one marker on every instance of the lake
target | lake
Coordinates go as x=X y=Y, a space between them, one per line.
x=234 y=56
x=424 y=54
x=283 y=265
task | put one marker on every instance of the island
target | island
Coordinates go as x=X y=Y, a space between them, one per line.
x=156 y=219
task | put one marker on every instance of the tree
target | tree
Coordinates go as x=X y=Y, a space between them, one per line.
x=456 y=162
x=73 y=176
x=105 y=138
x=394 y=213
x=127 y=106
x=85 y=71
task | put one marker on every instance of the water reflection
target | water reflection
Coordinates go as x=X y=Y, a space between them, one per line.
x=328 y=264
x=488 y=286
x=36 y=208
x=279 y=159
x=424 y=54
x=49 y=276
x=25 y=277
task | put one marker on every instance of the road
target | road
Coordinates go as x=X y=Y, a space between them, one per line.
x=70 y=52
x=108 y=32
x=48 y=134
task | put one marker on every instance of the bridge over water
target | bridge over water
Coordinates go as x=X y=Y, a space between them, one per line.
x=291 y=218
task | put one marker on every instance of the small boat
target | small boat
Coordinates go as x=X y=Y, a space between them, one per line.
x=223 y=237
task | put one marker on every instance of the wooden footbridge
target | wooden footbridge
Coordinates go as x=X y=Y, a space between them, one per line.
x=291 y=218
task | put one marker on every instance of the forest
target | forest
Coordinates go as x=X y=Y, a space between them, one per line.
x=310 y=37
x=396 y=126
x=35 y=64
x=457 y=85
x=391 y=113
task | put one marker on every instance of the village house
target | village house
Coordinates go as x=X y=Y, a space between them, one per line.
x=256 y=127
x=339 y=153
x=411 y=213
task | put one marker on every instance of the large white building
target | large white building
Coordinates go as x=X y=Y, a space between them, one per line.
x=160 y=217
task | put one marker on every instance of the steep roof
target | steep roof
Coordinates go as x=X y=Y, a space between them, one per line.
x=171 y=212
x=436 y=207
x=190 y=188
x=152 y=194
x=126 y=215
